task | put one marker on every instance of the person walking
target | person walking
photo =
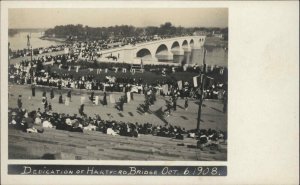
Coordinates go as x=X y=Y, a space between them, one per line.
x=186 y=103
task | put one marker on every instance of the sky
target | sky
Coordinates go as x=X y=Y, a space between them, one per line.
x=185 y=17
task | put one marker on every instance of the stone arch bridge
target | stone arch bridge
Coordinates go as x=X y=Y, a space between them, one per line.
x=153 y=51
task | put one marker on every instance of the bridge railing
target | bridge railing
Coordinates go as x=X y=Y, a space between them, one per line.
x=168 y=39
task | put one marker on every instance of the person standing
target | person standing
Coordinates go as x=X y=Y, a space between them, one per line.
x=20 y=104
x=122 y=99
x=169 y=106
x=92 y=96
x=81 y=110
x=146 y=107
x=50 y=107
x=69 y=95
x=174 y=102
x=33 y=90
x=104 y=99
x=60 y=99
x=45 y=103
x=44 y=93
x=51 y=93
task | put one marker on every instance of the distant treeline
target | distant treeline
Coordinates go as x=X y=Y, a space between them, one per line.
x=85 y=32
x=13 y=31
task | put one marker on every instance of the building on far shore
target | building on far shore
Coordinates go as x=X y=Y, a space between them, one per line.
x=217 y=34
x=200 y=33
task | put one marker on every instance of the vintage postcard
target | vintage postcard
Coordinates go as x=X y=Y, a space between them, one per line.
x=143 y=90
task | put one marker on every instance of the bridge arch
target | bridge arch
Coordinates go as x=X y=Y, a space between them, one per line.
x=175 y=46
x=162 y=50
x=192 y=42
x=185 y=43
x=144 y=53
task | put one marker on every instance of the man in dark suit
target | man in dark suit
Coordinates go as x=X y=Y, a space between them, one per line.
x=33 y=90
x=69 y=95
x=20 y=104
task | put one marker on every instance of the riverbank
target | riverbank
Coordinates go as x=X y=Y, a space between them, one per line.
x=215 y=42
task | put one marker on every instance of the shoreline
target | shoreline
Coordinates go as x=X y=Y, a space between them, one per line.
x=53 y=39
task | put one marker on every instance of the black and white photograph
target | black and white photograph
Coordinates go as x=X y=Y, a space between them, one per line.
x=145 y=84
x=149 y=92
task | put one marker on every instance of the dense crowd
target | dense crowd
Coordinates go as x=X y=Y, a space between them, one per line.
x=36 y=51
x=35 y=72
x=35 y=122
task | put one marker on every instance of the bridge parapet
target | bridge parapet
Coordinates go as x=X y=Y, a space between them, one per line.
x=158 y=49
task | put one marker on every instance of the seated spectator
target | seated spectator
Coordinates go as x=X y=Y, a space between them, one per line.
x=47 y=124
x=110 y=131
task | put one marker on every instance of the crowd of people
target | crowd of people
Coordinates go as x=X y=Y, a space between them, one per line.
x=35 y=121
x=88 y=48
x=34 y=72
x=36 y=51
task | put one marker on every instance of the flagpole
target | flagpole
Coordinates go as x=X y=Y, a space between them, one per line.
x=201 y=91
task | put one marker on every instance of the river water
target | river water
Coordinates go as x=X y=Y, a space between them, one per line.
x=19 y=41
x=214 y=55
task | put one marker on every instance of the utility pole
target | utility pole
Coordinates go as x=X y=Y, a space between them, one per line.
x=29 y=46
x=202 y=77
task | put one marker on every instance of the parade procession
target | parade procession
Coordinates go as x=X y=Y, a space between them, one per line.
x=147 y=95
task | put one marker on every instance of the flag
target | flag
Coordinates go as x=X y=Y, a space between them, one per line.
x=112 y=98
x=195 y=81
x=179 y=84
x=96 y=101
x=128 y=97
